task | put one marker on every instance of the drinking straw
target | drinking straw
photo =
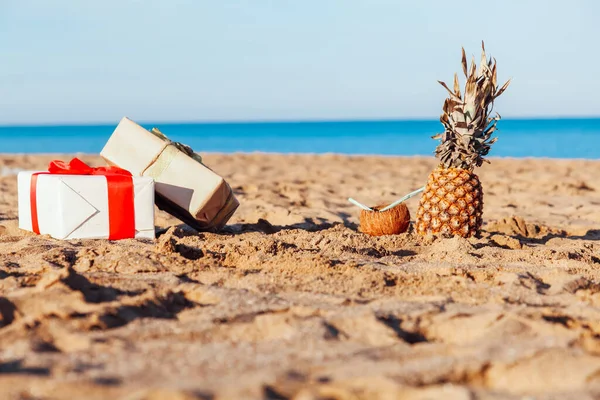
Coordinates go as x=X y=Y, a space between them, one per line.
x=394 y=204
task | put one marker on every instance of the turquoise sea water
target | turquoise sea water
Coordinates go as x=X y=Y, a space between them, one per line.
x=553 y=138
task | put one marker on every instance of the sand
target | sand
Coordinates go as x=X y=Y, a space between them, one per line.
x=292 y=302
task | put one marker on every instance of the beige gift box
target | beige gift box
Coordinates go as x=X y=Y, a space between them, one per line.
x=184 y=187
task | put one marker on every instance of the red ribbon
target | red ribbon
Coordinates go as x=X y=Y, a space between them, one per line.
x=121 y=209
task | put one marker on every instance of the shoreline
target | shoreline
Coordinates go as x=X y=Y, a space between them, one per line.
x=328 y=154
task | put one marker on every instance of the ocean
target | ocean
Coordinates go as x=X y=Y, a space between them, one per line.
x=548 y=138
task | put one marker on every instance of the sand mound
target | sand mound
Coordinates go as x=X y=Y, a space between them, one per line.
x=292 y=302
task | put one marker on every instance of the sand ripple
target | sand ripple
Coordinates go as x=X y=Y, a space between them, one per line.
x=291 y=302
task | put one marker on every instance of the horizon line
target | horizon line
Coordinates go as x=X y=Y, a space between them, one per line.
x=276 y=121
x=300 y=154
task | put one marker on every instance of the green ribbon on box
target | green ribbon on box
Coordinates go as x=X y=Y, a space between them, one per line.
x=160 y=163
x=184 y=148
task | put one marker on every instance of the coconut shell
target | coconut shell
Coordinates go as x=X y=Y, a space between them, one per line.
x=390 y=222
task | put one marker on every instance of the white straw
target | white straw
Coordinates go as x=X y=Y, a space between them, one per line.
x=408 y=196
x=394 y=204
x=356 y=203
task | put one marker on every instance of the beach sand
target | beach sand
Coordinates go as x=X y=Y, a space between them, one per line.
x=292 y=302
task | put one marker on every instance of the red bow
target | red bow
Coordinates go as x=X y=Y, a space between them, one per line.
x=78 y=167
x=121 y=209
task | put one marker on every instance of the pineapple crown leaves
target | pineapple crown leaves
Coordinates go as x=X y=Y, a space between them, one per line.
x=468 y=124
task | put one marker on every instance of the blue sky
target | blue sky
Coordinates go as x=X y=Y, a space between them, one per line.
x=194 y=60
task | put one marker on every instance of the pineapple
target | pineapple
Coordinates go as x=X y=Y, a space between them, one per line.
x=452 y=202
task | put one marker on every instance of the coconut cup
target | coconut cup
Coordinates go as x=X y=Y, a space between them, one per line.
x=390 y=222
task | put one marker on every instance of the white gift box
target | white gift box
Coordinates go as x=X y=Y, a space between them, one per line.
x=77 y=206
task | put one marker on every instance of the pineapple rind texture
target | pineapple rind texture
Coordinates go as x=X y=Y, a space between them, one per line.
x=451 y=204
